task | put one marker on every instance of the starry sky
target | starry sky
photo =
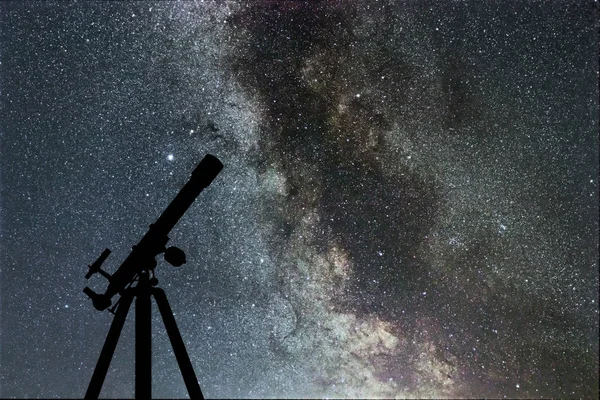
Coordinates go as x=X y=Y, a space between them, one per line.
x=408 y=206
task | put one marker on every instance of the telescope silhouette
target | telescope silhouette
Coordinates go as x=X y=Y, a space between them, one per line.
x=136 y=268
x=142 y=256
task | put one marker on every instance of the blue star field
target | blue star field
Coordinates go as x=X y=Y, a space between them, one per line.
x=408 y=206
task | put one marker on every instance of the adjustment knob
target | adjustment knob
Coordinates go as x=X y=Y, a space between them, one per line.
x=175 y=256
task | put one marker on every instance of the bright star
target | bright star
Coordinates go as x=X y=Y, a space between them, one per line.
x=170 y=157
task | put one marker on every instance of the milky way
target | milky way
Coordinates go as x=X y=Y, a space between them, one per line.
x=408 y=207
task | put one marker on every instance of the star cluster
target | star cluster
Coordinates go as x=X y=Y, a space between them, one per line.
x=408 y=207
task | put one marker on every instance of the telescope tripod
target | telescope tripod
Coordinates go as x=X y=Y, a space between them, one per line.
x=143 y=341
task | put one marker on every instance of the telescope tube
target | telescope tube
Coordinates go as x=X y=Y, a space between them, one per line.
x=202 y=176
x=154 y=241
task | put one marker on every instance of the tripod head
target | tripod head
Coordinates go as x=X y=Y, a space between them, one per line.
x=154 y=242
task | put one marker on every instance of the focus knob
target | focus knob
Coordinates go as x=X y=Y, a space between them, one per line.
x=175 y=256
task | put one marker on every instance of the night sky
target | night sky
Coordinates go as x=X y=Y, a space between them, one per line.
x=408 y=207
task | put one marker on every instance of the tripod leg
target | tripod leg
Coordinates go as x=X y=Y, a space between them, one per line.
x=183 y=359
x=143 y=340
x=108 y=349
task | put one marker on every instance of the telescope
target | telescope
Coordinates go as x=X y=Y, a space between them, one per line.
x=142 y=256
x=136 y=268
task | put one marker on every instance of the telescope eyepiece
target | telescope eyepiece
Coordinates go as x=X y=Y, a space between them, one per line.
x=101 y=302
